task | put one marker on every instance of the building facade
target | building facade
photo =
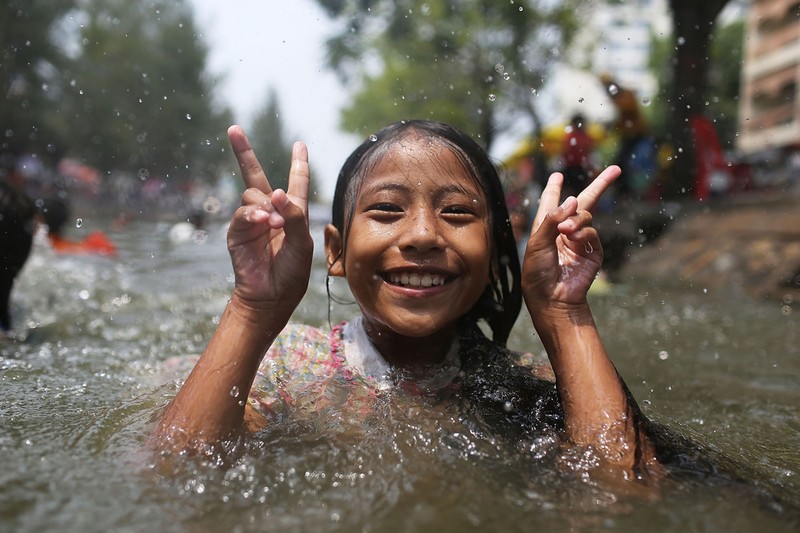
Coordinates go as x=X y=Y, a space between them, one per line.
x=769 y=108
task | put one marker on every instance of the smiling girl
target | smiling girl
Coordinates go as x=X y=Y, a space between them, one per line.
x=422 y=235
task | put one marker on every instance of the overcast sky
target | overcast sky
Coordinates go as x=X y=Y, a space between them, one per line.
x=258 y=44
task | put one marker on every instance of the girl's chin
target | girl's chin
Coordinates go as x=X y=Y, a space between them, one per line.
x=411 y=328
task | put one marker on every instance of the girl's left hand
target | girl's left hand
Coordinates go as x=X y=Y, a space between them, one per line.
x=564 y=253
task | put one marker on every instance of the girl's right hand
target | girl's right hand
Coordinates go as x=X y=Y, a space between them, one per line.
x=268 y=239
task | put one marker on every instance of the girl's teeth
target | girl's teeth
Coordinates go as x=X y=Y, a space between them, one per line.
x=417 y=280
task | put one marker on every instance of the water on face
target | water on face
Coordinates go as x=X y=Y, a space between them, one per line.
x=80 y=392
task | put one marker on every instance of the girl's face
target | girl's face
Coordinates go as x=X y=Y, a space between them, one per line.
x=418 y=250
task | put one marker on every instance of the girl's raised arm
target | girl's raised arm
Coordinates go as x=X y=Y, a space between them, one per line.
x=562 y=258
x=271 y=250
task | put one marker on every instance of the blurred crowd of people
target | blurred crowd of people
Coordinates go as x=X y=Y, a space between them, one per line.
x=580 y=149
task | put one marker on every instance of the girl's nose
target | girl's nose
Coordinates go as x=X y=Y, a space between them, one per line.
x=421 y=232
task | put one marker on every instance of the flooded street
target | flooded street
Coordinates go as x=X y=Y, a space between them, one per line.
x=80 y=392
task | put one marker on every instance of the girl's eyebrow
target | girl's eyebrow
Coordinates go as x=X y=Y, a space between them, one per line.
x=384 y=185
x=404 y=187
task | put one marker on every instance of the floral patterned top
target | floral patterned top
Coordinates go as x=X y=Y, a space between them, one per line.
x=304 y=365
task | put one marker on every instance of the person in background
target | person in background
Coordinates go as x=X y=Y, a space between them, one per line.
x=17 y=227
x=630 y=125
x=54 y=212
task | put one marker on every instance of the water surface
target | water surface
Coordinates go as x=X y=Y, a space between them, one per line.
x=80 y=393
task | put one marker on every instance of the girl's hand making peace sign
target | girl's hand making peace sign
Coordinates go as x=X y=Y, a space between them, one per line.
x=268 y=239
x=564 y=253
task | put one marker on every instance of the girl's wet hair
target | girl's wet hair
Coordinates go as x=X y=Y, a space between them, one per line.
x=501 y=301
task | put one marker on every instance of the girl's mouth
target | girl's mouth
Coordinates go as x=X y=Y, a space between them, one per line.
x=415 y=280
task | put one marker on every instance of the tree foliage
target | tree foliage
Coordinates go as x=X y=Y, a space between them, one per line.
x=474 y=63
x=139 y=97
x=118 y=85
x=31 y=60
x=724 y=73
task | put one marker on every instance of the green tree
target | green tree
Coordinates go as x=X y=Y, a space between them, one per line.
x=721 y=106
x=31 y=59
x=477 y=64
x=139 y=97
x=269 y=140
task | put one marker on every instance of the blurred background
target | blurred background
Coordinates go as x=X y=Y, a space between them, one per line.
x=125 y=105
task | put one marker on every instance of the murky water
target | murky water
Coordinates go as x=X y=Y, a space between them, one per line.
x=79 y=396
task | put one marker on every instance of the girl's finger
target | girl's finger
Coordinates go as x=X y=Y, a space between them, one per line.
x=576 y=222
x=252 y=173
x=295 y=219
x=549 y=199
x=299 y=177
x=588 y=198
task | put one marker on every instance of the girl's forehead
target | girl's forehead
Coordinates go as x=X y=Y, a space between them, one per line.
x=422 y=160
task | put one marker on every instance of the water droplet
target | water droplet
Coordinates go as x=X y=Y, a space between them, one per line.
x=492 y=97
x=188 y=116
x=580 y=100
x=79 y=223
x=235 y=391
x=663 y=355
x=373 y=137
x=645 y=102
x=681 y=41
x=613 y=89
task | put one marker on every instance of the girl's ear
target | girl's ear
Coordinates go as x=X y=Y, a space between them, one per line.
x=333 y=251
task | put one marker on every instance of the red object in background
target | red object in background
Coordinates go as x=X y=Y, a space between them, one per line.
x=708 y=155
x=95 y=243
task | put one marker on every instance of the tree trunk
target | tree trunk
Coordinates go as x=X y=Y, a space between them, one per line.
x=692 y=27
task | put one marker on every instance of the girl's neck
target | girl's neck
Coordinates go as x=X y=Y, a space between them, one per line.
x=411 y=352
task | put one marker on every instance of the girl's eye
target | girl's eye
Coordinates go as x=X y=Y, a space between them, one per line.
x=385 y=207
x=458 y=210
